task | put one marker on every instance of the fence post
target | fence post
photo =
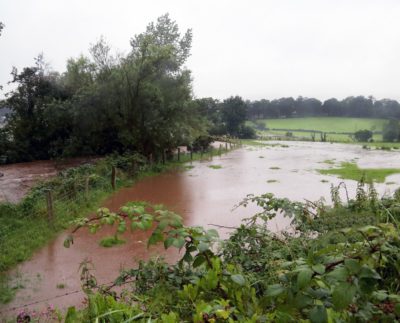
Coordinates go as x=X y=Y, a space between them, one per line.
x=50 y=212
x=191 y=153
x=179 y=154
x=220 y=149
x=226 y=145
x=113 y=177
x=133 y=168
x=87 y=179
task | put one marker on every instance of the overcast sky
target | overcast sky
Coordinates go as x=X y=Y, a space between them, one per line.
x=256 y=49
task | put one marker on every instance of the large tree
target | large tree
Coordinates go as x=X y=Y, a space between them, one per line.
x=234 y=111
x=103 y=103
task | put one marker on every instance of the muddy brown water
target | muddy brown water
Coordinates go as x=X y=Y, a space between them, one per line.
x=203 y=196
x=17 y=179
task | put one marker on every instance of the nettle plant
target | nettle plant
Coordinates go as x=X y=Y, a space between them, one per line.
x=310 y=275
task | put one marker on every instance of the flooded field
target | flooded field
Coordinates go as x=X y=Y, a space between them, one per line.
x=17 y=179
x=203 y=195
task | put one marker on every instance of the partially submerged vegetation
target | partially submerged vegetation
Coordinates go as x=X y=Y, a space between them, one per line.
x=272 y=181
x=340 y=266
x=274 y=167
x=352 y=171
x=76 y=192
x=215 y=166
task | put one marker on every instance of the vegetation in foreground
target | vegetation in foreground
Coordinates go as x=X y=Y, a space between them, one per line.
x=352 y=171
x=341 y=265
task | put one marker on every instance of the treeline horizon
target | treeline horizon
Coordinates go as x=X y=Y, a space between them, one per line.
x=352 y=106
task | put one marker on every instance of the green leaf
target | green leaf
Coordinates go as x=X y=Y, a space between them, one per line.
x=343 y=295
x=352 y=265
x=318 y=314
x=367 y=272
x=302 y=300
x=162 y=225
x=213 y=233
x=147 y=224
x=304 y=278
x=199 y=260
x=121 y=227
x=179 y=242
x=319 y=269
x=274 y=290
x=338 y=274
x=155 y=238
x=238 y=279
x=134 y=226
x=222 y=314
x=168 y=242
x=203 y=246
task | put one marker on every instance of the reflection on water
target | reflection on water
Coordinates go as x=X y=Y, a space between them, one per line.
x=203 y=196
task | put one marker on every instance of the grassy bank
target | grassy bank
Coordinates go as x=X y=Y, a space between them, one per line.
x=352 y=171
x=25 y=227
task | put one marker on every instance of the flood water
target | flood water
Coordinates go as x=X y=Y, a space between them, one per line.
x=203 y=196
x=17 y=179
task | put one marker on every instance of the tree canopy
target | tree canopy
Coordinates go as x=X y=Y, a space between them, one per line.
x=141 y=101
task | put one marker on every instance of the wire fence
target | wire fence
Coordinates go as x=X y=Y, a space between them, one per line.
x=63 y=198
x=58 y=201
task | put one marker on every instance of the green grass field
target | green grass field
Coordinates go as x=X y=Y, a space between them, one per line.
x=328 y=124
x=351 y=171
x=324 y=124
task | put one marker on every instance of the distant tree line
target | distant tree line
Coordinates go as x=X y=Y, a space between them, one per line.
x=353 y=106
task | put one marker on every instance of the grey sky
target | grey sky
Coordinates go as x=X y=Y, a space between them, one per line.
x=256 y=49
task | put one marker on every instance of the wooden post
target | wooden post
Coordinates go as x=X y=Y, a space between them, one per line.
x=226 y=145
x=220 y=149
x=50 y=212
x=230 y=145
x=163 y=157
x=191 y=153
x=179 y=154
x=87 y=179
x=113 y=177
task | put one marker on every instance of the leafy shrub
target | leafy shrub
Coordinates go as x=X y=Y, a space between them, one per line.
x=363 y=135
x=391 y=131
x=340 y=266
